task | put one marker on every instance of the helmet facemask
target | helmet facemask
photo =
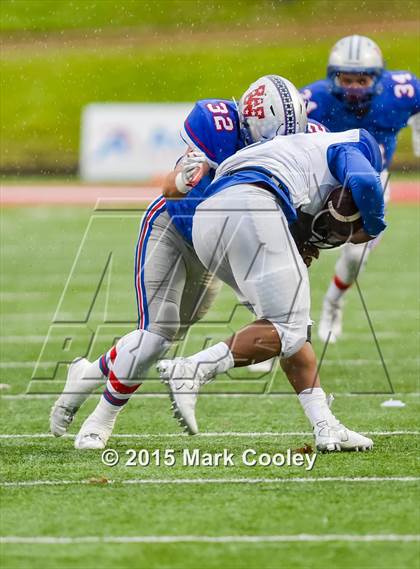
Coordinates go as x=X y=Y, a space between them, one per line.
x=358 y=56
x=323 y=235
x=356 y=99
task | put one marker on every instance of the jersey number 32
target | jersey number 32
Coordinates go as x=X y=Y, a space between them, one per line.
x=221 y=122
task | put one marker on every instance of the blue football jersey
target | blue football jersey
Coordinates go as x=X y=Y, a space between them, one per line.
x=212 y=127
x=397 y=100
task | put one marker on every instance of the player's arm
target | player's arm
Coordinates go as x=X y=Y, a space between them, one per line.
x=188 y=172
x=197 y=160
x=354 y=171
x=312 y=95
x=414 y=123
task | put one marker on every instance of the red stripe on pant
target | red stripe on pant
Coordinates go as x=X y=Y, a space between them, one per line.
x=140 y=252
x=113 y=354
x=339 y=283
x=120 y=387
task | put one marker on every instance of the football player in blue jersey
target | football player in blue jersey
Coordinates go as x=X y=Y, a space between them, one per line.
x=360 y=93
x=173 y=287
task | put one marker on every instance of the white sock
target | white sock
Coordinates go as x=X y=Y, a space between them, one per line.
x=214 y=360
x=336 y=290
x=105 y=413
x=314 y=403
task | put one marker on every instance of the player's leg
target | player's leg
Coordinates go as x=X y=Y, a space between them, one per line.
x=160 y=280
x=84 y=377
x=352 y=260
x=251 y=249
x=350 y=264
x=200 y=291
x=180 y=292
x=255 y=253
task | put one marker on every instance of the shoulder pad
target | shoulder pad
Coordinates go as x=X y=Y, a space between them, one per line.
x=213 y=127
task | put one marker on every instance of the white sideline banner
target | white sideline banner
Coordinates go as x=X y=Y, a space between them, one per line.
x=131 y=141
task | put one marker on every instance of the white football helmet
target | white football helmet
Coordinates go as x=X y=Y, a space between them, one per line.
x=271 y=106
x=355 y=54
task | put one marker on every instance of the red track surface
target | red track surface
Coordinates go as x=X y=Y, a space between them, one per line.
x=15 y=195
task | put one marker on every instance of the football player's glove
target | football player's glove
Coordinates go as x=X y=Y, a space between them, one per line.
x=192 y=171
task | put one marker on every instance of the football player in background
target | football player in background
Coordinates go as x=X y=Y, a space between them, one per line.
x=173 y=288
x=360 y=93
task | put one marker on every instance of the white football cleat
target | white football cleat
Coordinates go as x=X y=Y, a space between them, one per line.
x=331 y=323
x=338 y=438
x=93 y=435
x=184 y=379
x=67 y=405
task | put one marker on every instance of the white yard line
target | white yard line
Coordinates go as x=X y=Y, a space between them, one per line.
x=328 y=362
x=230 y=434
x=40 y=338
x=204 y=481
x=30 y=339
x=42 y=316
x=8 y=296
x=301 y=537
x=31 y=396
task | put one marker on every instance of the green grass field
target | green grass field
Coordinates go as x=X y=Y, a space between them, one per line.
x=370 y=494
x=50 y=16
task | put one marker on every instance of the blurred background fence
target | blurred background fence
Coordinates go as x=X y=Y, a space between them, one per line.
x=59 y=56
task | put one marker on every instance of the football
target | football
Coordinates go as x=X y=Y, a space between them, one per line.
x=345 y=218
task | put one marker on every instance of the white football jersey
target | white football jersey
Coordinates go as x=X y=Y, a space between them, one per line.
x=299 y=160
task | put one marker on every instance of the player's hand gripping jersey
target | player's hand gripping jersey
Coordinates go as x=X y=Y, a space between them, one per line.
x=302 y=170
x=212 y=127
x=397 y=99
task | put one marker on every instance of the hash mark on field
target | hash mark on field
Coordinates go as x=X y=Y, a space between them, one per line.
x=161 y=481
x=215 y=434
x=301 y=537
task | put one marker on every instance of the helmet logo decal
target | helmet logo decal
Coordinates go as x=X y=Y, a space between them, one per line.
x=253 y=103
x=289 y=109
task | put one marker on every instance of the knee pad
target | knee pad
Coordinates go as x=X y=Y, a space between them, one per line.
x=292 y=338
x=136 y=352
x=165 y=320
x=169 y=331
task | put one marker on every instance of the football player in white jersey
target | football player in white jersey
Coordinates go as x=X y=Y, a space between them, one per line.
x=241 y=234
